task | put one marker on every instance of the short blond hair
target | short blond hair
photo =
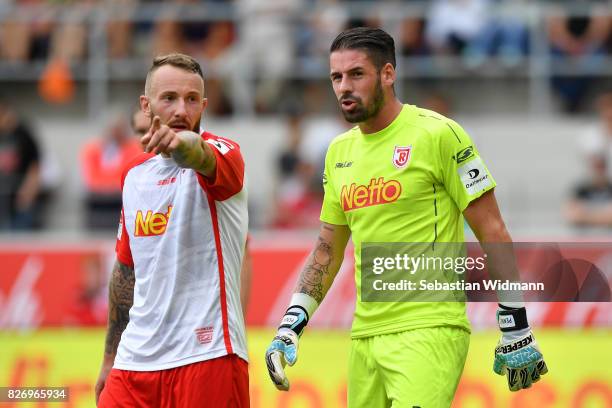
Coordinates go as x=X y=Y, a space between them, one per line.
x=181 y=61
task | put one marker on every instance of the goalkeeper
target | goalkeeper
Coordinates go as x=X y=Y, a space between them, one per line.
x=403 y=174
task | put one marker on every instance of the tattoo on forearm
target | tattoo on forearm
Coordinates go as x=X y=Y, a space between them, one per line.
x=187 y=155
x=120 y=300
x=311 y=279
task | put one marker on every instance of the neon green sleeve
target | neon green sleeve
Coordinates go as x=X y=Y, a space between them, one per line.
x=331 y=211
x=462 y=170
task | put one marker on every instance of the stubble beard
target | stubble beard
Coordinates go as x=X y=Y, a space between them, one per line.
x=363 y=113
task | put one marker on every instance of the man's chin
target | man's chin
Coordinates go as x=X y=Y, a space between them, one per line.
x=355 y=117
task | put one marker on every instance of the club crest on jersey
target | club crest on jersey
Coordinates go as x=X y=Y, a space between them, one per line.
x=401 y=156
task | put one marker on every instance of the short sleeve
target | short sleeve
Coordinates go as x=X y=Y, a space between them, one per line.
x=229 y=173
x=331 y=211
x=462 y=170
x=122 y=247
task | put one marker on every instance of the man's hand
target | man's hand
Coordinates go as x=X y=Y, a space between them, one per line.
x=282 y=351
x=186 y=148
x=517 y=354
x=104 y=371
x=160 y=138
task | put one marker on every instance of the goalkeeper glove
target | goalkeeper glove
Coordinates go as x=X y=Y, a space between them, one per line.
x=282 y=351
x=284 y=346
x=517 y=354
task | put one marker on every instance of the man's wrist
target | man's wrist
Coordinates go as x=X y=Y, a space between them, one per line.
x=510 y=319
x=299 y=312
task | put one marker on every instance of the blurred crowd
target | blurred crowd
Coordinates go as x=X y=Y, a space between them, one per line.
x=285 y=43
x=283 y=39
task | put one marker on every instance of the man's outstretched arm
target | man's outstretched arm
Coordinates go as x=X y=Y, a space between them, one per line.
x=517 y=355
x=120 y=300
x=187 y=148
x=313 y=284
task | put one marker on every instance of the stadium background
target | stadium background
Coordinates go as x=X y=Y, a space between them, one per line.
x=266 y=61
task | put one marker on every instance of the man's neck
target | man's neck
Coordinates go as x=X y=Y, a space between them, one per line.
x=387 y=114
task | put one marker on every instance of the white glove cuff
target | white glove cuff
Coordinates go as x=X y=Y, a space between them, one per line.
x=306 y=302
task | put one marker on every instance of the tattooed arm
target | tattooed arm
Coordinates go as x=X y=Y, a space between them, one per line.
x=120 y=300
x=324 y=262
x=315 y=280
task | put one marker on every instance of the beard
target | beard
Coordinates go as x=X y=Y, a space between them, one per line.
x=195 y=127
x=362 y=113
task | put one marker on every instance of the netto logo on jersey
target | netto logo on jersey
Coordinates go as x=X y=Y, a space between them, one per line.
x=151 y=224
x=464 y=154
x=377 y=192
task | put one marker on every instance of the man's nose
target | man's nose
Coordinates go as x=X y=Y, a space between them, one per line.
x=181 y=109
x=345 y=86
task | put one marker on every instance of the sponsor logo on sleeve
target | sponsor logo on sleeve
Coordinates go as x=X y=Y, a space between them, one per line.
x=474 y=176
x=464 y=154
x=401 y=156
x=222 y=145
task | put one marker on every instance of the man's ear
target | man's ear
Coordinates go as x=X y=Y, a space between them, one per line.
x=145 y=106
x=388 y=74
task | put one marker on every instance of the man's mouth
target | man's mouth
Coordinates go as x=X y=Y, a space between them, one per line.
x=177 y=127
x=348 y=104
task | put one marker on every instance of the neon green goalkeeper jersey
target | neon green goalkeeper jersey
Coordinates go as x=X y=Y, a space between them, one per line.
x=409 y=182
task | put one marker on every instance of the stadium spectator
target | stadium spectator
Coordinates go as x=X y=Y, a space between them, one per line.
x=412 y=37
x=453 y=24
x=176 y=328
x=140 y=123
x=296 y=200
x=102 y=160
x=314 y=33
x=469 y=28
x=205 y=40
x=504 y=36
x=266 y=40
x=591 y=200
x=20 y=178
x=578 y=33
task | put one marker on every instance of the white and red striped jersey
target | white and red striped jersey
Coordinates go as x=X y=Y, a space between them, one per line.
x=185 y=236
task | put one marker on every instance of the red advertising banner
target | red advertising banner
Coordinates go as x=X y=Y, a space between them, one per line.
x=66 y=285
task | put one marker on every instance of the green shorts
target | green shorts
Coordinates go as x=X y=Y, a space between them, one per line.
x=413 y=368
